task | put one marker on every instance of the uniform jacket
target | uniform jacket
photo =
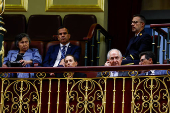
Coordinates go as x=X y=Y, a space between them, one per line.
x=141 y=43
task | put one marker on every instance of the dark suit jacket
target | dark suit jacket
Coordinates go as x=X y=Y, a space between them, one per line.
x=141 y=43
x=52 y=54
x=76 y=75
x=120 y=74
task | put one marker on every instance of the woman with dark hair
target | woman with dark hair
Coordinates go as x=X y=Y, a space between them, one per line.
x=70 y=61
x=23 y=55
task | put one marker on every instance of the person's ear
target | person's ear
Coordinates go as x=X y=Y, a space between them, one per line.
x=76 y=63
x=69 y=36
x=122 y=58
x=150 y=61
x=143 y=24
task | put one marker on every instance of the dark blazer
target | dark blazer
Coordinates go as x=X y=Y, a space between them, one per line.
x=141 y=43
x=76 y=75
x=52 y=54
x=120 y=74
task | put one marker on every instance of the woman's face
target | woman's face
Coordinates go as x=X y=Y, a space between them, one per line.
x=23 y=45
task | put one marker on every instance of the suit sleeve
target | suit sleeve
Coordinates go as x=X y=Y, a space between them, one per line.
x=146 y=45
x=46 y=62
x=77 y=53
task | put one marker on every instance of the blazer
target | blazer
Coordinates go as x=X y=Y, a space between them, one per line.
x=157 y=72
x=76 y=75
x=30 y=54
x=141 y=43
x=52 y=54
x=120 y=74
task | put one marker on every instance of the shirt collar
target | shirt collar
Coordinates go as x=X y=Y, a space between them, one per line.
x=61 y=45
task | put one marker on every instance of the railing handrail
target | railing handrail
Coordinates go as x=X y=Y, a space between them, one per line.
x=85 y=68
x=93 y=30
x=160 y=25
x=162 y=32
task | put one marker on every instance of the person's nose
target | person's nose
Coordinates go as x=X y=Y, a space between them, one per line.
x=63 y=34
x=24 y=43
x=68 y=63
x=114 y=60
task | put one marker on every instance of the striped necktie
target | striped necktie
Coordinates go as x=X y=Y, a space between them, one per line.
x=63 y=52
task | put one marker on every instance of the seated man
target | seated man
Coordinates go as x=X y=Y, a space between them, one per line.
x=114 y=58
x=148 y=58
x=56 y=53
x=139 y=43
x=70 y=61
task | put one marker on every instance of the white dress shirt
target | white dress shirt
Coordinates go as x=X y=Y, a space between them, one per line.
x=59 y=54
x=113 y=74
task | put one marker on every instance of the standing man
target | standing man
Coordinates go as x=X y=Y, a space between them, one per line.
x=114 y=58
x=139 y=43
x=56 y=53
x=149 y=58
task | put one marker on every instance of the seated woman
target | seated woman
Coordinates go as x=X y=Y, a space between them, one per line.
x=24 y=55
x=70 y=61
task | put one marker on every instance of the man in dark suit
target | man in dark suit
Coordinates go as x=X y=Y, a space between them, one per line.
x=139 y=43
x=149 y=58
x=56 y=53
x=70 y=61
x=114 y=58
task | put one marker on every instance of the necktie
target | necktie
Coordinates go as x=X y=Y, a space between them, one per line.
x=63 y=52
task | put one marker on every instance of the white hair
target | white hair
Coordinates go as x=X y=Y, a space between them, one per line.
x=108 y=55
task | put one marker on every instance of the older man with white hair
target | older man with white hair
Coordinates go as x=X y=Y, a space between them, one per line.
x=114 y=58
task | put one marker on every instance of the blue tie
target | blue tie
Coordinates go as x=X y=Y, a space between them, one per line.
x=63 y=53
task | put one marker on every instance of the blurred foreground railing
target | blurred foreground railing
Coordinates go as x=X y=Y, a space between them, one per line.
x=85 y=95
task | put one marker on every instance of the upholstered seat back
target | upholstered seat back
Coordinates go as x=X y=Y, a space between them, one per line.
x=43 y=27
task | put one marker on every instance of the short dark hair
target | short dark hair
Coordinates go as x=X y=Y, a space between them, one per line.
x=61 y=27
x=141 y=17
x=19 y=38
x=148 y=54
x=71 y=56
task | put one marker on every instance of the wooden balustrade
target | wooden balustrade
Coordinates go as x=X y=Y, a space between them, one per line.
x=94 y=31
x=157 y=28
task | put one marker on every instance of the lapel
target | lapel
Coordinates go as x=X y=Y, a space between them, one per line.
x=56 y=51
x=135 y=39
x=139 y=36
x=69 y=49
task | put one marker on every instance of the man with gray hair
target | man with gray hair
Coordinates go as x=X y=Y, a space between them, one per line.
x=141 y=42
x=114 y=58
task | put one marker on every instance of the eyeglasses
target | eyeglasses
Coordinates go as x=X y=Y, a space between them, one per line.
x=141 y=60
x=135 y=22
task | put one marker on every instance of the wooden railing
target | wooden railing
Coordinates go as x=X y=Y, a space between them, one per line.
x=157 y=28
x=94 y=30
x=87 y=95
